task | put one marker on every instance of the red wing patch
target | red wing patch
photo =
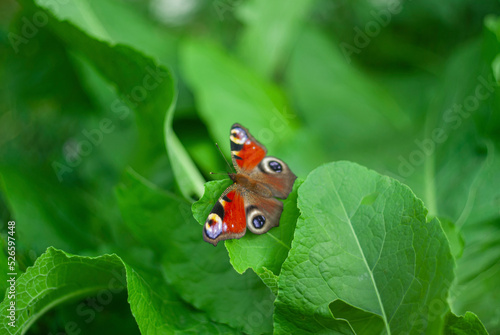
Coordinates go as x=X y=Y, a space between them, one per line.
x=246 y=151
x=227 y=219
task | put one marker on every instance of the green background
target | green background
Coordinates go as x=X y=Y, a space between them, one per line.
x=110 y=110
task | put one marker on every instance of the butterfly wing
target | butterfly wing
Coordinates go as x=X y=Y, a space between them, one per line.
x=246 y=151
x=262 y=213
x=227 y=219
x=249 y=158
x=275 y=175
x=249 y=203
x=238 y=209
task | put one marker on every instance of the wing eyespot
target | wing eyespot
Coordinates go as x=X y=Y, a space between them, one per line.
x=275 y=166
x=272 y=165
x=213 y=226
x=256 y=220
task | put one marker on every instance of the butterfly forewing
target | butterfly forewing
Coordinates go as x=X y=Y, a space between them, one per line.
x=246 y=151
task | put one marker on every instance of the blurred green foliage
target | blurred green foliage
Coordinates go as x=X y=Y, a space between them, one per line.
x=110 y=109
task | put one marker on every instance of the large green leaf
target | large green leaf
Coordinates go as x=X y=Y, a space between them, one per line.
x=44 y=219
x=91 y=17
x=51 y=217
x=57 y=277
x=159 y=310
x=364 y=239
x=264 y=32
x=347 y=109
x=457 y=174
x=115 y=22
x=200 y=272
x=144 y=87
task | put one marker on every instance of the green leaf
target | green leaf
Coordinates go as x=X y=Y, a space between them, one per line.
x=45 y=219
x=262 y=253
x=227 y=92
x=492 y=22
x=270 y=279
x=457 y=175
x=476 y=285
x=199 y=272
x=187 y=176
x=336 y=100
x=364 y=239
x=455 y=238
x=360 y=321
x=158 y=310
x=267 y=251
x=115 y=22
x=263 y=32
x=57 y=277
x=467 y=324
x=144 y=87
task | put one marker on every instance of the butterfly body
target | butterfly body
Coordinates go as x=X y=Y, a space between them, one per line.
x=251 y=185
x=251 y=201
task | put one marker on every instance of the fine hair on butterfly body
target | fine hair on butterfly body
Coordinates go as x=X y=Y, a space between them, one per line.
x=251 y=201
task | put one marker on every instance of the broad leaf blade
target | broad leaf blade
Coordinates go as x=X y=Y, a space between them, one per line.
x=158 y=310
x=200 y=272
x=361 y=322
x=364 y=239
x=57 y=277
x=144 y=86
x=264 y=32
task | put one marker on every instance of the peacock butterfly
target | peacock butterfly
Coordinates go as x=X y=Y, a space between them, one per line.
x=250 y=202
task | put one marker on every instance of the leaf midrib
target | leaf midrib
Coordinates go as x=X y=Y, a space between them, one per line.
x=384 y=316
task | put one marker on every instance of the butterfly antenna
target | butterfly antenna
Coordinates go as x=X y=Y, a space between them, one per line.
x=230 y=168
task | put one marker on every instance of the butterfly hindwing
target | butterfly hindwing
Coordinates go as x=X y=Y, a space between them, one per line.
x=249 y=158
x=262 y=213
x=227 y=218
x=276 y=175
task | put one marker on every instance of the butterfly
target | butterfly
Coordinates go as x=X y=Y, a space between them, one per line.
x=250 y=202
